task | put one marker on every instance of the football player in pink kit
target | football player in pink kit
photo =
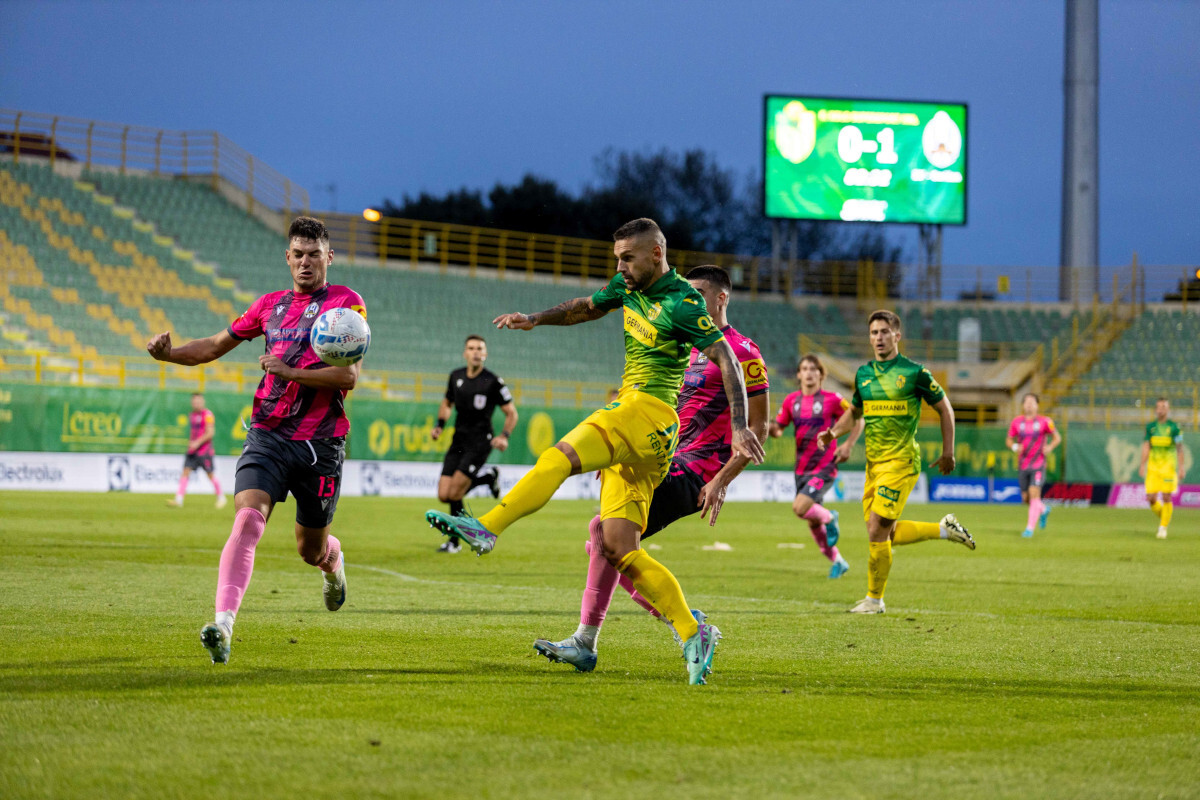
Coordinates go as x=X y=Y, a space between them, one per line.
x=200 y=452
x=697 y=478
x=297 y=441
x=811 y=410
x=1027 y=438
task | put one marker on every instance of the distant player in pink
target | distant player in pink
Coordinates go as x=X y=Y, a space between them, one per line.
x=1027 y=438
x=296 y=443
x=699 y=473
x=199 y=452
x=811 y=410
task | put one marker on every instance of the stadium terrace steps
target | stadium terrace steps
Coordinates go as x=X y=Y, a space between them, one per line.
x=1158 y=349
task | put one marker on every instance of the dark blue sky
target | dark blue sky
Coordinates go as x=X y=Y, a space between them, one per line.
x=387 y=98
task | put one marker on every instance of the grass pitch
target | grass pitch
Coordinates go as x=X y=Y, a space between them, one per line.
x=1062 y=666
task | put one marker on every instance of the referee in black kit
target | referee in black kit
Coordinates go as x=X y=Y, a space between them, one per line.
x=473 y=392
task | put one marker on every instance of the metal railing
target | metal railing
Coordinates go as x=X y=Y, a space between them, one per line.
x=140 y=150
x=126 y=372
x=925 y=350
x=1114 y=403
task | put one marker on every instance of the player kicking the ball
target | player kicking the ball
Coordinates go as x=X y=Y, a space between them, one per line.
x=701 y=470
x=632 y=439
x=297 y=440
x=888 y=392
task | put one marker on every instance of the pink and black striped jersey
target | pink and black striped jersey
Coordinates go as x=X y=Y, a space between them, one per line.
x=198 y=422
x=705 y=430
x=1031 y=435
x=290 y=409
x=812 y=414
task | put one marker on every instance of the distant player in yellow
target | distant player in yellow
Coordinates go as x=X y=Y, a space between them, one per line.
x=1162 y=464
x=632 y=439
x=888 y=392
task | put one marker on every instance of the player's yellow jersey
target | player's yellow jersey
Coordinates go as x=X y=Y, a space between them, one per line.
x=890 y=395
x=1164 y=437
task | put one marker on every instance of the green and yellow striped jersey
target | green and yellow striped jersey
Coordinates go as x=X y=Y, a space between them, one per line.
x=662 y=325
x=1163 y=438
x=889 y=393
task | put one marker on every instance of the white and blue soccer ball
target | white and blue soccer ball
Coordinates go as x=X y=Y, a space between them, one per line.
x=340 y=337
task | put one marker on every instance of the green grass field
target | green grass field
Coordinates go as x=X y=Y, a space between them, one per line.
x=1062 y=666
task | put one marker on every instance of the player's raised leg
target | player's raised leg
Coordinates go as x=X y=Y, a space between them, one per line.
x=237 y=565
x=584 y=449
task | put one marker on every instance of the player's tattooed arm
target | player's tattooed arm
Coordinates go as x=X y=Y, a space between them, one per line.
x=197 y=351
x=571 y=312
x=744 y=441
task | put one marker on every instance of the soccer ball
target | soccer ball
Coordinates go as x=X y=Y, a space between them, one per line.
x=340 y=337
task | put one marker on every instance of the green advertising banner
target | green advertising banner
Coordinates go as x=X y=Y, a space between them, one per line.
x=74 y=419
x=1112 y=457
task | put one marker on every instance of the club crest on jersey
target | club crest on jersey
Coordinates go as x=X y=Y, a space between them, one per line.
x=900 y=381
x=653 y=311
x=312 y=310
x=818 y=407
x=480 y=400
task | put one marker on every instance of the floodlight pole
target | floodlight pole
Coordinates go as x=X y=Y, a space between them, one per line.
x=929 y=285
x=1079 y=253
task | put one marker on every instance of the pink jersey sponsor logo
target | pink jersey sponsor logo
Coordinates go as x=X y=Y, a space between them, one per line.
x=285 y=319
x=704 y=426
x=811 y=414
x=1031 y=436
x=198 y=422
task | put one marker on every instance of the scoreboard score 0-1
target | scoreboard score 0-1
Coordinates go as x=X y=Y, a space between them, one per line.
x=865 y=160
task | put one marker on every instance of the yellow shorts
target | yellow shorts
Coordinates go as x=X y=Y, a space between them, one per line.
x=1165 y=481
x=631 y=441
x=889 y=483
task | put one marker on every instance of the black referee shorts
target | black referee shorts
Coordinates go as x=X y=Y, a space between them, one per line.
x=467 y=454
x=310 y=470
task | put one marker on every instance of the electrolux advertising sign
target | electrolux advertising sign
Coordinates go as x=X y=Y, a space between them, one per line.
x=861 y=160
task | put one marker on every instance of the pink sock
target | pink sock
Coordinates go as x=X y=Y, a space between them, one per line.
x=818 y=533
x=237 y=559
x=183 y=481
x=818 y=513
x=601 y=580
x=333 y=551
x=627 y=585
x=216 y=484
x=1035 y=511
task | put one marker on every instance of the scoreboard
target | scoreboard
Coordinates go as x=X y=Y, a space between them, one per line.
x=864 y=160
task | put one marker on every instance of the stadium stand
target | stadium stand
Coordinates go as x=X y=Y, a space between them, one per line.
x=1158 y=352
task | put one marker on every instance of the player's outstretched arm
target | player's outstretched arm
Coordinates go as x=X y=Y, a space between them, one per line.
x=847 y=446
x=745 y=441
x=712 y=495
x=345 y=378
x=845 y=423
x=572 y=312
x=945 y=411
x=197 y=351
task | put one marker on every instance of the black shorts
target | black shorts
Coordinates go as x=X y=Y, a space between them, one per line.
x=193 y=461
x=815 y=484
x=675 y=498
x=467 y=454
x=1031 y=477
x=310 y=470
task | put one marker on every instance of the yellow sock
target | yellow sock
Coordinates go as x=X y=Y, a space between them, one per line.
x=909 y=532
x=1156 y=507
x=531 y=492
x=656 y=583
x=1168 y=508
x=879 y=564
